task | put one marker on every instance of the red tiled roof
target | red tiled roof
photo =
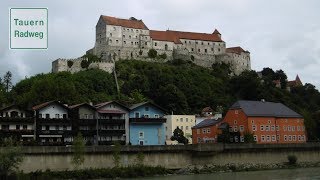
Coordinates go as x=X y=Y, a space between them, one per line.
x=46 y=104
x=111 y=111
x=137 y=24
x=164 y=36
x=236 y=50
x=175 y=36
x=207 y=109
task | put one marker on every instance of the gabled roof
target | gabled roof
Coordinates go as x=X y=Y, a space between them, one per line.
x=129 y=23
x=175 y=36
x=134 y=106
x=265 y=109
x=82 y=104
x=236 y=50
x=97 y=106
x=207 y=122
x=40 y=106
x=216 y=32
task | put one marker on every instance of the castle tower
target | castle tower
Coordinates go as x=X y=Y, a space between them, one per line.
x=216 y=32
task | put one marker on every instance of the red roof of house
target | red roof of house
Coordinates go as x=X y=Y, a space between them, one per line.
x=236 y=50
x=129 y=23
x=46 y=104
x=175 y=36
x=295 y=83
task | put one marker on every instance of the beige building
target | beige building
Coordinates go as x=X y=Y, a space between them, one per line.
x=184 y=122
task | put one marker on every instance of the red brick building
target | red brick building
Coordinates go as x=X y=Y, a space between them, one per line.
x=206 y=131
x=269 y=122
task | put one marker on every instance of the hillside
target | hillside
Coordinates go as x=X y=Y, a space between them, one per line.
x=179 y=86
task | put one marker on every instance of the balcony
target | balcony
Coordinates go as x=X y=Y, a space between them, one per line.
x=115 y=132
x=86 y=121
x=62 y=132
x=41 y=121
x=147 y=120
x=111 y=121
x=16 y=132
x=17 y=119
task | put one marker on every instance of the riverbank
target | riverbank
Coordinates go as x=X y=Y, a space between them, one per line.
x=148 y=171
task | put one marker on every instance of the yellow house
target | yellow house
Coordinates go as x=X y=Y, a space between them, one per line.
x=184 y=122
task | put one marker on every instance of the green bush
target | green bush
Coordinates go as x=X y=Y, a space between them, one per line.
x=70 y=63
x=152 y=53
x=292 y=159
x=85 y=64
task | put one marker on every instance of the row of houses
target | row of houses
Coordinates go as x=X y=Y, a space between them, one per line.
x=265 y=122
x=53 y=123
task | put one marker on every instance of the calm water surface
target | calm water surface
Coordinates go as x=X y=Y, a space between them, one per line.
x=298 y=174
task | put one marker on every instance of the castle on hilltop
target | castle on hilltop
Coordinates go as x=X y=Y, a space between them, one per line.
x=131 y=39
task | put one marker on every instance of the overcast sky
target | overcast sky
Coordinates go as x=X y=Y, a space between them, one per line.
x=280 y=34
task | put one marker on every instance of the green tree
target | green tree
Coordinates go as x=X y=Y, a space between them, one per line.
x=174 y=99
x=116 y=154
x=10 y=157
x=70 y=63
x=249 y=137
x=140 y=159
x=178 y=135
x=224 y=136
x=78 y=148
x=7 y=81
x=152 y=53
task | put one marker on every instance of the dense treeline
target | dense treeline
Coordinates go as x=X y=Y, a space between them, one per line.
x=178 y=86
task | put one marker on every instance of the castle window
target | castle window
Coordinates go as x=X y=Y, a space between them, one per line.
x=211 y=49
x=205 y=50
x=131 y=30
x=219 y=49
x=129 y=37
x=146 y=37
x=201 y=43
x=117 y=41
x=124 y=36
x=136 y=37
x=140 y=31
x=165 y=47
x=189 y=42
x=114 y=28
x=128 y=29
x=196 y=42
x=146 y=43
x=110 y=34
x=198 y=50
x=110 y=40
x=155 y=44
x=124 y=42
x=137 y=30
x=208 y=43
x=185 y=41
x=131 y=43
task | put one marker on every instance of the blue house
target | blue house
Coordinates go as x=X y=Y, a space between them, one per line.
x=147 y=124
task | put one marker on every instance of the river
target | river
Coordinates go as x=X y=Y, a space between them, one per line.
x=282 y=174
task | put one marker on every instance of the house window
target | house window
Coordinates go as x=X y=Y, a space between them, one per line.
x=269 y=121
x=64 y=116
x=181 y=119
x=284 y=128
x=255 y=137
x=17 y=127
x=230 y=129
x=293 y=128
x=261 y=128
x=208 y=130
x=186 y=119
x=278 y=137
x=254 y=127
x=277 y=128
x=273 y=138
x=241 y=139
x=204 y=131
x=47 y=116
x=137 y=114
x=141 y=134
x=285 y=137
x=156 y=116
x=289 y=128
x=235 y=129
x=241 y=128
x=57 y=116
x=272 y=128
x=146 y=115
x=268 y=138
x=198 y=131
x=187 y=127
x=235 y=122
x=290 y=138
x=263 y=138
x=236 y=112
x=294 y=138
x=236 y=139
x=303 y=138
x=24 y=127
x=267 y=128
x=141 y=142
x=40 y=115
x=298 y=128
